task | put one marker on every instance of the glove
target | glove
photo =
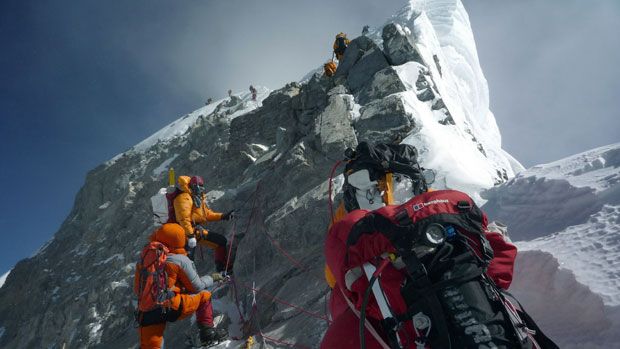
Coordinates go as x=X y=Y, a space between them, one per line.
x=191 y=242
x=217 y=277
x=200 y=232
x=228 y=215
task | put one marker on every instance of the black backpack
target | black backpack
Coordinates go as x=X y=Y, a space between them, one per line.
x=380 y=159
x=341 y=45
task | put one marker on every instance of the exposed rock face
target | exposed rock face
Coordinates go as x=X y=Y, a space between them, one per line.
x=398 y=46
x=270 y=163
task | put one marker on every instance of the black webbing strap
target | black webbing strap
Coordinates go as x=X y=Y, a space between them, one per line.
x=422 y=282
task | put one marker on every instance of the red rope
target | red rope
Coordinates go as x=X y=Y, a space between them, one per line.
x=292 y=345
x=232 y=240
x=274 y=243
x=286 y=303
x=329 y=194
x=297 y=263
x=236 y=295
x=260 y=331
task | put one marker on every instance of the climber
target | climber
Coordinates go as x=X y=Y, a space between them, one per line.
x=330 y=68
x=365 y=30
x=192 y=213
x=253 y=92
x=340 y=45
x=387 y=178
x=424 y=274
x=230 y=93
x=368 y=184
x=187 y=293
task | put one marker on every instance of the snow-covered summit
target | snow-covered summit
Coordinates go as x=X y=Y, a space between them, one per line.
x=449 y=41
x=456 y=132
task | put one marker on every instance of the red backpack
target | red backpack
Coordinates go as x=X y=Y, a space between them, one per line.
x=153 y=290
x=440 y=238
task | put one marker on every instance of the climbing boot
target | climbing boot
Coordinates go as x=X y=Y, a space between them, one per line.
x=211 y=335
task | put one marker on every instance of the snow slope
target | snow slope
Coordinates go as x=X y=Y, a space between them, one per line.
x=549 y=198
x=3 y=278
x=590 y=250
x=241 y=103
x=567 y=216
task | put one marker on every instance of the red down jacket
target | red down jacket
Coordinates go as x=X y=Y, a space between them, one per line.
x=344 y=330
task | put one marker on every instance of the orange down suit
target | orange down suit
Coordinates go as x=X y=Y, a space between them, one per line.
x=187 y=214
x=183 y=280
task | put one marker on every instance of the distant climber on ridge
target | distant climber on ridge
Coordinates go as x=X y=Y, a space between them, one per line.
x=340 y=45
x=253 y=92
x=365 y=30
x=169 y=288
x=330 y=68
x=190 y=207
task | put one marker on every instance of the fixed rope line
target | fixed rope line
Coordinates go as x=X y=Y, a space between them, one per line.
x=281 y=301
x=230 y=247
x=260 y=331
x=295 y=262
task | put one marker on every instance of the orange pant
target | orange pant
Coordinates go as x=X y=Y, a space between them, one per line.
x=151 y=337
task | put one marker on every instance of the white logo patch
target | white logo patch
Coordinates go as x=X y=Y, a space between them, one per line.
x=418 y=207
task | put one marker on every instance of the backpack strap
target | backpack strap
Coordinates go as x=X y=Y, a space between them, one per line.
x=367 y=324
x=421 y=284
x=539 y=337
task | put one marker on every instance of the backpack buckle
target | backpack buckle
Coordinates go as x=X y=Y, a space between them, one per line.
x=487 y=251
x=403 y=218
x=463 y=205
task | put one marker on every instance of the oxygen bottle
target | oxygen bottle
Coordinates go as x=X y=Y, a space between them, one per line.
x=171 y=177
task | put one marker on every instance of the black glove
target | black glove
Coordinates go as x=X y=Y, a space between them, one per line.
x=200 y=232
x=228 y=215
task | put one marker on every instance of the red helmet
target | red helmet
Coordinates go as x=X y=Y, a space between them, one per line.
x=197 y=185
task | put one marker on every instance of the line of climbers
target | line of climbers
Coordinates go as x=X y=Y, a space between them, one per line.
x=253 y=95
x=166 y=280
x=412 y=267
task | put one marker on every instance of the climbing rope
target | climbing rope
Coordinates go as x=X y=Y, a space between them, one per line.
x=281 y=301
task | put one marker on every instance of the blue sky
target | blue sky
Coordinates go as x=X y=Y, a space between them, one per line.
x=82 y=81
